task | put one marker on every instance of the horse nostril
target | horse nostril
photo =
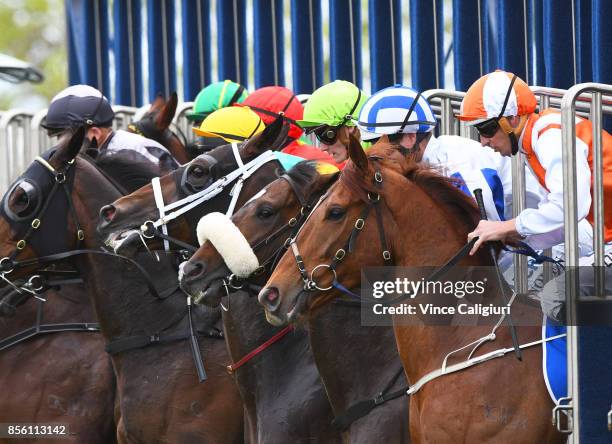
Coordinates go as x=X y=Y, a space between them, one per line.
x=107 y=213
x=269 y=296
x=193 y=270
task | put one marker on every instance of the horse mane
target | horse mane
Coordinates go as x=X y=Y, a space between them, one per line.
x=128 y=168
x=443 y=190
x=303 y=173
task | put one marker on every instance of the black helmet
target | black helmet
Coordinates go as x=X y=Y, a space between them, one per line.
x=78 y=105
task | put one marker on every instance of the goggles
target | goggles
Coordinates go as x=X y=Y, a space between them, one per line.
x=328 y=134
x=488 y=128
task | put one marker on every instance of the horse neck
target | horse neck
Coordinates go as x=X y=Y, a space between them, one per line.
x=424 y=347
x=354 y=361
x=119 y=294
x=177 y=149
x=246 y=328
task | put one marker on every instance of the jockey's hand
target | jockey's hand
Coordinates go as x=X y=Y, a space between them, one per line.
x=493 y=231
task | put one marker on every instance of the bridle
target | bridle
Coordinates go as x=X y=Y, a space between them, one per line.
x=372 y=202
x=62 y=179
x=158 y=228
x=233 y=283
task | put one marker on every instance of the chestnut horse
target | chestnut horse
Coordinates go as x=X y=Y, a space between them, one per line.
x=159 y=398
x=337 y=341
x=155 y=125
x=499 y=401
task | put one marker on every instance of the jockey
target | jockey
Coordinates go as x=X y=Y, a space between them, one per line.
x=216 y=96
x=84 y=105
x=406 y=118
x=329 y=113
x=271 y=102
x=227 y=125
x=502 y=108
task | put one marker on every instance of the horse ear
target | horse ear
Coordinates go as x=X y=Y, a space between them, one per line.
x=357 y=154
x=166 y=114
x=158 y=103
x=70 y=144
x=271 y=138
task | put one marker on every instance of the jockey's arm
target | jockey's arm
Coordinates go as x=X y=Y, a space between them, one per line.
x=544 y=226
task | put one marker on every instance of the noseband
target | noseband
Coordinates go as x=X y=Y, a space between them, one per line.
x=373 y=201
x=167 y=213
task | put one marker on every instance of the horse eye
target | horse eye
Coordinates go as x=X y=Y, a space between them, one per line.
x=199 y=171
x=265 y=212
x=335 y=213
x=23 y=199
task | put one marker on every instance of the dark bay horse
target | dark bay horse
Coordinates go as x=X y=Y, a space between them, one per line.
x=57 y=377
x=499 y=401
x=159 y=398
x=155 y=124
x=355 y=363
x=280 y=386
x=76 y=387
x=122 y=220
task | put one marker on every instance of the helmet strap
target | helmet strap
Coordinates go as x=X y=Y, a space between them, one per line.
x=513 y=133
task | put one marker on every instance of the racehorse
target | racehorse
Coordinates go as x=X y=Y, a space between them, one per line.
x=132 y=211
x=88 y=398
x=122 y=221
x=56 y=377
x=155 y=124
x=354 y=363
x=499 y=400
x=159 y=398
x=281 y=378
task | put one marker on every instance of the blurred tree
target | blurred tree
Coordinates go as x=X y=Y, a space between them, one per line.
x=34 y=31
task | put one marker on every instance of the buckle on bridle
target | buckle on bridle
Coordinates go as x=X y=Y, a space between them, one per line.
x=32 y=283
x=60 y=177
x=154 y=337
x=7 y=265
x=311 y=284
x=372 y=199
x=148 y=229
x=233 y=280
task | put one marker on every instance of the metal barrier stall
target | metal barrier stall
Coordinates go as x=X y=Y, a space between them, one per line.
x=182 y=122
x=15 y=136
x=586 y=344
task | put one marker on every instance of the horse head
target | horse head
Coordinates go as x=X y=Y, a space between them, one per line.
x=382 y=211
x=255 y=235
x=203 y=178
x=155 y=125
x=49 y=208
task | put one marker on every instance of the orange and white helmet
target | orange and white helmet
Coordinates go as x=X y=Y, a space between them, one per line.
x=495 y=95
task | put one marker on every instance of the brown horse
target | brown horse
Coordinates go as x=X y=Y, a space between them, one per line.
x=281 y=389
x=59 y=377
x=355 y=363
x=159 y=398
x=121 y=221
x=155 y=124
x=87 y=401
x=502 y=400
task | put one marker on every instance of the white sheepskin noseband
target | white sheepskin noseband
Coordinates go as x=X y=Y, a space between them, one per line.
x=229 y=242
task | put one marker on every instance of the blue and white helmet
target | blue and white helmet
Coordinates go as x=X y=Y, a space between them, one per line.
x=396 y=109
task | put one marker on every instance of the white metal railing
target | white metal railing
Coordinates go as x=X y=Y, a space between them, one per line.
x=598 y=96
x=22 y=137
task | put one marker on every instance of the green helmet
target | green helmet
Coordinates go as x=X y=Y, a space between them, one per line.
x=216 y=96
x=338 y=102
